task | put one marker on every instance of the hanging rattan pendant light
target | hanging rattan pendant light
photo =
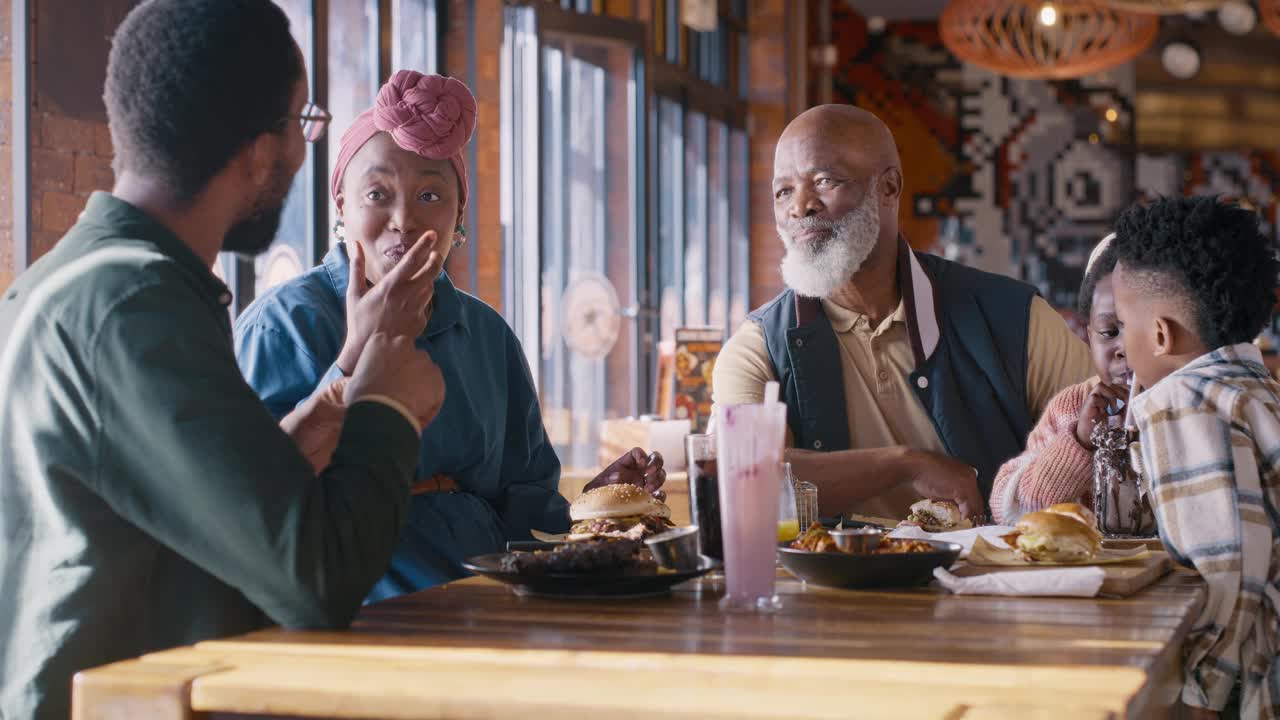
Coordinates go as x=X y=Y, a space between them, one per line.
x=1039 y=39
x=1165 y=7
x=1269 y=11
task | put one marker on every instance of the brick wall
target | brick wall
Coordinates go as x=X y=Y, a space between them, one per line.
x=485 y=18
x=487 y=84
x=70 y=150
x=769 y=23
x=70 y=158
x=70 y=144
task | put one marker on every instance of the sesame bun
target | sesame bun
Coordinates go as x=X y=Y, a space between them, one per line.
x=614 y=501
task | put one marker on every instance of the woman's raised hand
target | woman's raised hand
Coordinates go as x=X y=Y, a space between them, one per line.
x=396 y=305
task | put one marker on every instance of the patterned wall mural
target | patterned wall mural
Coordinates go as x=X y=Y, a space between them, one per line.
x=1253 y=178
x=1020 y=177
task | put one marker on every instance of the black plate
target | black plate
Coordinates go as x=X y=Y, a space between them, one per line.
x=842 y=521
x=530 y=545
x=843 y=570
x=585 y=586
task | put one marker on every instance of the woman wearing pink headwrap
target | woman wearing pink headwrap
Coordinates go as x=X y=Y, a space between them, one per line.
x=487 y=472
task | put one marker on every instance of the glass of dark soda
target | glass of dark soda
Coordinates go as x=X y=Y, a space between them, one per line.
x=704 y=493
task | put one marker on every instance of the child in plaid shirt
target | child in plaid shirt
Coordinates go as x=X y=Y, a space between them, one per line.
x=1195 y=283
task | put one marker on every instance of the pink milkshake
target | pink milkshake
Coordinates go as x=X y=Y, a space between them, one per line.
x=750 y=440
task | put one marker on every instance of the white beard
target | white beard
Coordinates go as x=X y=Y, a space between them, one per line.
x=818 y=267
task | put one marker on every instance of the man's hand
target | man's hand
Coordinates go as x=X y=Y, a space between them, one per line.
x=634 y=468
x=316 y=424
x=938 y=477
x=394 y=367
x=397 y=305
x=1094 y=410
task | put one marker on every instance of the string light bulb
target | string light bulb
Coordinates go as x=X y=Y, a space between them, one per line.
x=1048 y=15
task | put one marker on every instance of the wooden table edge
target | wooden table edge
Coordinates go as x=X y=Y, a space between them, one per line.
x=189 y=682
x=168 y=684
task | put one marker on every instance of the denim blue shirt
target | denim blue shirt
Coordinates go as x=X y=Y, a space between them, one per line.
x=488 y=436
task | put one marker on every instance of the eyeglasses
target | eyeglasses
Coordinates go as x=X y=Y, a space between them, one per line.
x=315 y=121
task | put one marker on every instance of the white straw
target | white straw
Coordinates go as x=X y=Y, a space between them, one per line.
x=770 y=392
x=1128 y=406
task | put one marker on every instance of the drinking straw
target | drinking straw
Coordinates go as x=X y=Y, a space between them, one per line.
x=770 y=392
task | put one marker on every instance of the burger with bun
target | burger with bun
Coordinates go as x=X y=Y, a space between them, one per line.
x=1045 y=536
x=1077 y=511
x=938 y=516
x=617 y=511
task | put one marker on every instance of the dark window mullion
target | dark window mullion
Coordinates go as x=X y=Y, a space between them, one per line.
x=318 y=152
x=384 y=41
x=241 y=282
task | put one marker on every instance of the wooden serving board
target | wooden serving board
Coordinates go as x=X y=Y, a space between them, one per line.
x=1126 y=543
x=1122 y=579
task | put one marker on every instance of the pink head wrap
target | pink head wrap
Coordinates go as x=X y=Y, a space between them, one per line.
x=430 y=115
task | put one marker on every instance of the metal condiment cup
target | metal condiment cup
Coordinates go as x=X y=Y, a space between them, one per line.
x=857 y=540
x=676 y=549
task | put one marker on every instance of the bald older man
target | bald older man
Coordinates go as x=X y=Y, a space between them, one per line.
x=906 y=376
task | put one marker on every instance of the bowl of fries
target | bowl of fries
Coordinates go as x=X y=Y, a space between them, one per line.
x=817 y=557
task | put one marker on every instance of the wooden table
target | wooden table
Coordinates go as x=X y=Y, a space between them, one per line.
x=472 y=649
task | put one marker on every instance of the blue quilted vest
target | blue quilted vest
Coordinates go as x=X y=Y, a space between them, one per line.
x=968 y=332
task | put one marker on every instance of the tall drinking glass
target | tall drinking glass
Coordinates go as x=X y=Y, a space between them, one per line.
x=704 y=493
x=749 y=456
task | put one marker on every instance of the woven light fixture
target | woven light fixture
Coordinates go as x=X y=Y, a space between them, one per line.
x=1165 y=7
x=1269 y=11
x=1039 y=39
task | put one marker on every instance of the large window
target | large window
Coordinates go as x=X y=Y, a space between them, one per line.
x=623 y=211
x=571 y=199
x=354 y=50
x=739 y=228
x=291 y=252
x=701 y=172
x=695 y=219
x=718 y=272
x=671 y=225
x=349 y=47
x=413 y=44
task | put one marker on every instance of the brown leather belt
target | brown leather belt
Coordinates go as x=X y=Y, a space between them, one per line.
x=435 y=484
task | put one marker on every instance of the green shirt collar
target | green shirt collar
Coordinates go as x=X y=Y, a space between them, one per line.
x=120 y=219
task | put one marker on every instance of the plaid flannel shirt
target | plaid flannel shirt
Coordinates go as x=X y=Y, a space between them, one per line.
x=1210 y=449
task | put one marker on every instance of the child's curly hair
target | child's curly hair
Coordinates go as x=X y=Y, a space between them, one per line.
x=1212 y=254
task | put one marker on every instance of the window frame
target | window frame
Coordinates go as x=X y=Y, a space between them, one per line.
x=526 y=29
x=665 y=78
x=240 y=271
x=676 y=78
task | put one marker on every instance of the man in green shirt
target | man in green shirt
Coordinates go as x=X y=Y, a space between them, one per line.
x=147 y=497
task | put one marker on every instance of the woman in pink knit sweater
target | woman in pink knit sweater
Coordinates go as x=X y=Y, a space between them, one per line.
x=1057 y=465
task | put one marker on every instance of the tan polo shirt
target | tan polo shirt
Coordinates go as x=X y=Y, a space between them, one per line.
x=882 y=409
